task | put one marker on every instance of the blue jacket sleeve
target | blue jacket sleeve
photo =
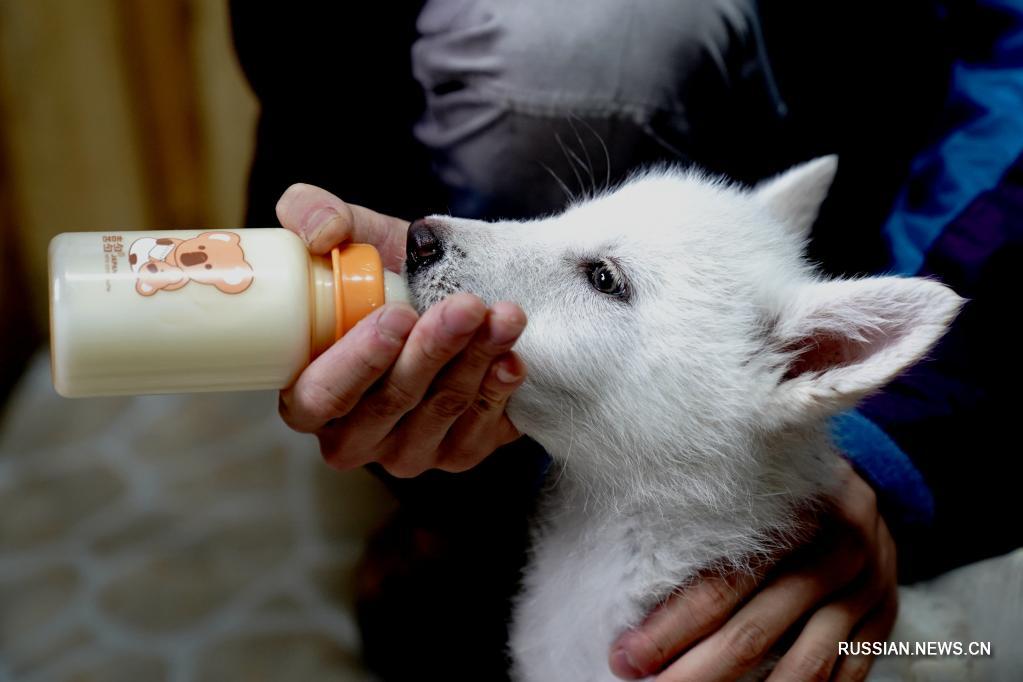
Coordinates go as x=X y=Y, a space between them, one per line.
x=959 y=219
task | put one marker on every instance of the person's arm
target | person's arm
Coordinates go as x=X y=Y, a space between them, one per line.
x=955 y=414
x=958 y=219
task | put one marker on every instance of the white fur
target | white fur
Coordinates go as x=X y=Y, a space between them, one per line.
x=795 y=197
x=687 y=424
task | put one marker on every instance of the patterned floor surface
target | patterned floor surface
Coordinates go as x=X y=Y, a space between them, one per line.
x=173 y=538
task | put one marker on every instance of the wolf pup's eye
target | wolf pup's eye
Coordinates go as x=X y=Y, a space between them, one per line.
x=606 y=279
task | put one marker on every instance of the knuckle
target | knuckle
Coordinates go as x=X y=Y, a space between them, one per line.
x=872 y=591
x=402 y=459
x=393 y=399
x=337 y=223
x=402 y=468
x=707 y=603
x=814 y=666
x=316 y=403
x=372 y=363
x=747 y=642
x=855 y=668
x=860 y=511
x=869 y=496
x=645 y=650
x=858 y=526
x=866 y=508
x=477 y=355
x=459 y=461
x=437 y=351
x=335 y=451
x=485 y=404
x=450 y=404
x=489 y=398
x=342 y=444
x=462 y=454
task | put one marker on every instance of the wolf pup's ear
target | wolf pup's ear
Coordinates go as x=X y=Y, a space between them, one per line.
x=795 y=196
x=843 y=339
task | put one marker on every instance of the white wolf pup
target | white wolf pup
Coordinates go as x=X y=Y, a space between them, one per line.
x=683 y=360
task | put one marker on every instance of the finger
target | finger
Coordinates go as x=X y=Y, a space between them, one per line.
x=749 y=635
x=683 y=619
x=340 y=452
x=812 y=656
x=484 y=427
x=456 y=389
x=334 y=382
x=886 y=568
x=855 y=505
x=324 y=221
x=876 y=628
x=442 y=332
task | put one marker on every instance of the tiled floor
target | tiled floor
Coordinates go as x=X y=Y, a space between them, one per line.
x=173 y=538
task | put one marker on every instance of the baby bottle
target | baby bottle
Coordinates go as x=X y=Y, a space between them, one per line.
x=201 y=310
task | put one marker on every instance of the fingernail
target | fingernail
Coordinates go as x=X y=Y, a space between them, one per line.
x=316 y=221
x=505 y=329
x=460 y=317
x=505 y=374
x=622 y=665
x=396 y=322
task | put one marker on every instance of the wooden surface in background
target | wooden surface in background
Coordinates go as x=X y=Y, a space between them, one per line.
x=114 y=114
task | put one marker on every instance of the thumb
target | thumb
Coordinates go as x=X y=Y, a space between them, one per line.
x=324 y=221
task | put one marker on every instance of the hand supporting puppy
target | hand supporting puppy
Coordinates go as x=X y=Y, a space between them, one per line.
x=841 y=586
x=410 y=393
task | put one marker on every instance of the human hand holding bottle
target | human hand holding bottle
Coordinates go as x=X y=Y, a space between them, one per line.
x=411 y=393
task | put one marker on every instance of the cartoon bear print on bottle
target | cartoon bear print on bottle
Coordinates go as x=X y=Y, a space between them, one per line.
x=167 y=264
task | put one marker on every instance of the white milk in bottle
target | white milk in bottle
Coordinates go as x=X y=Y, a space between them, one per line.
x=201 y=310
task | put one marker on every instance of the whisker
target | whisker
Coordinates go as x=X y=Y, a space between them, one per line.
x=592 y=183
x=571 y=446
x=561 y=183
x=568 y=157
x=589 y=162
x=607 y=155
x=649 y=130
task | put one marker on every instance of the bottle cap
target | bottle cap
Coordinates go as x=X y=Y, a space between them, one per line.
x=358 y=284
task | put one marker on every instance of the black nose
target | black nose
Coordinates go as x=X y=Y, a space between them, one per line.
x=422 y=247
